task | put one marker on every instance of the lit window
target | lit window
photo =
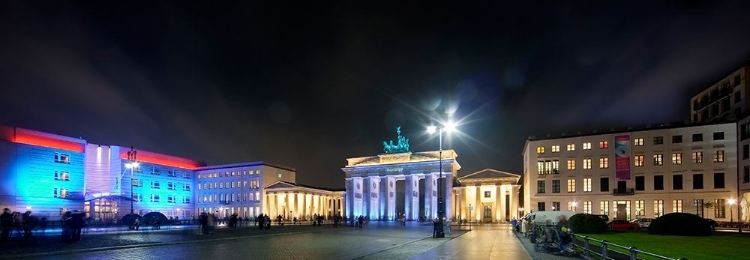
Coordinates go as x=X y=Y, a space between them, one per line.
x=603 y=145
x=587 y=185
x=719 y=156
x=638 y=160
x=640 y=208
x=62 y=158
x=62 y=176
x=587 y=207
x=677 y=158
x=571 y=147
x=697 y=157
x=658 y=208
x=571 y=164
x=676 y=205
x=488 y=194
x=555 y=148
x=571 y=185
x=587 y=163
x=540 y=149
x=279 y=175
x=603 y=163
x=604 y=207
x=658 y=159
x=638 y=142
x=586 y=146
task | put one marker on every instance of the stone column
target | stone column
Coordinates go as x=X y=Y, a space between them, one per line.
x=499 y=203
x=512 y=202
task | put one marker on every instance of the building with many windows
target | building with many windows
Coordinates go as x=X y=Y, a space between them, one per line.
x=50 y=174
x=727 y=99
x=634 y=173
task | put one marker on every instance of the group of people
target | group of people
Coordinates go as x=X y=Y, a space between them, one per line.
x=263 y=221
x=22 y=223
x=72 y=223
x=207 y=222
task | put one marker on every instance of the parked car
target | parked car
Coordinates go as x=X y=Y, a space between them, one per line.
x=622 y=225
x=642 y=222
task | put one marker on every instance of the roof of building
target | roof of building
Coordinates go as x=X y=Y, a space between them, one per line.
x=488 y=174
x=628 y=129
x=244 y=164
x=286 y=184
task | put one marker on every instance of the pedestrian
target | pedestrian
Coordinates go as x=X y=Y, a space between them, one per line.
x=137 y=223
x=268 y=222
x=28 y=224
x=77 y=221
x=435 y=225
x=514 y=223
x=6 y=223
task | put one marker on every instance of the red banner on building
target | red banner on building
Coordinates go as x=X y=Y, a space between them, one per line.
x=622 y=157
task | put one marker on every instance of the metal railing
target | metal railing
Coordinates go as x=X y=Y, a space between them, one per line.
x=606 y=250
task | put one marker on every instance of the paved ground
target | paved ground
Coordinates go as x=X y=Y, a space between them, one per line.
x=376 y=241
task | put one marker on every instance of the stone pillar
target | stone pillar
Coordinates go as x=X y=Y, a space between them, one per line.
x=478 y=207
x=499 y=203
x=512 y=202
x=390 y=195
x=447 y=189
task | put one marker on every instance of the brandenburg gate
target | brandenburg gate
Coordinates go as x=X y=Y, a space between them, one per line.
x=371 y=183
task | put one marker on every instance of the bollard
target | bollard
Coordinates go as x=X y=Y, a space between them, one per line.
x=633 y=253
x=604 y=249
x=586 y=245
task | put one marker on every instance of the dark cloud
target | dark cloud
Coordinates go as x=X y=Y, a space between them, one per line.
x=308 y=86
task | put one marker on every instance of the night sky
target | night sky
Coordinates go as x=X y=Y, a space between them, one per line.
x=307 y=86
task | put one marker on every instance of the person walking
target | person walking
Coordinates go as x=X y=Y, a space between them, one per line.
x=6 y=223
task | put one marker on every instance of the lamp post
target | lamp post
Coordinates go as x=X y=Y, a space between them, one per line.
x=574 y=206
x=441 y=205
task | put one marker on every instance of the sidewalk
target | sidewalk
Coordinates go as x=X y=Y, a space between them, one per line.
x=95 y=239
x=493 y=241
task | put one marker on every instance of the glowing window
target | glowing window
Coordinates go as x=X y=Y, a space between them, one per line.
x=603 y=163
x=697 y=157
x=571 y=164
x=638 y=159
x=555 y=148
x=62 y=176
x=587 y=185
x=571 y=147
x=638 y=142
x=586 y=146
x=658 y=159
x=62 y=158
x=587 y=163
x=540 y=149
x=677 y=158
x=603 y=145
x=571 y=185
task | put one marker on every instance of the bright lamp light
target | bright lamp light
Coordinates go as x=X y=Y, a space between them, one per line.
x=431 y=129
x=450 y=126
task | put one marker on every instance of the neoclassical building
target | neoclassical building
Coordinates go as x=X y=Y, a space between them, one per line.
x=290 y=200
x=487 y=196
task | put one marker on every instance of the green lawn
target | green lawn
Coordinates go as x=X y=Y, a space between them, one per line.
x=717 y=246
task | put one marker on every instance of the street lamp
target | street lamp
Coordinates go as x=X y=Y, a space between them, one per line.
x=450 y=126
x=731 y=204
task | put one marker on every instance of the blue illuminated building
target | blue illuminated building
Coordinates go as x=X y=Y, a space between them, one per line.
x=50 y=174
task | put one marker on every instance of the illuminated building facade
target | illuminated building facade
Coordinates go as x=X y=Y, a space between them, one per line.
x=633 y=173
x=51 y=174
x=371 y=184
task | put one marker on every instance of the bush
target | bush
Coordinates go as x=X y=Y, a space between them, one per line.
x=587 y=224
x=680 y=224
